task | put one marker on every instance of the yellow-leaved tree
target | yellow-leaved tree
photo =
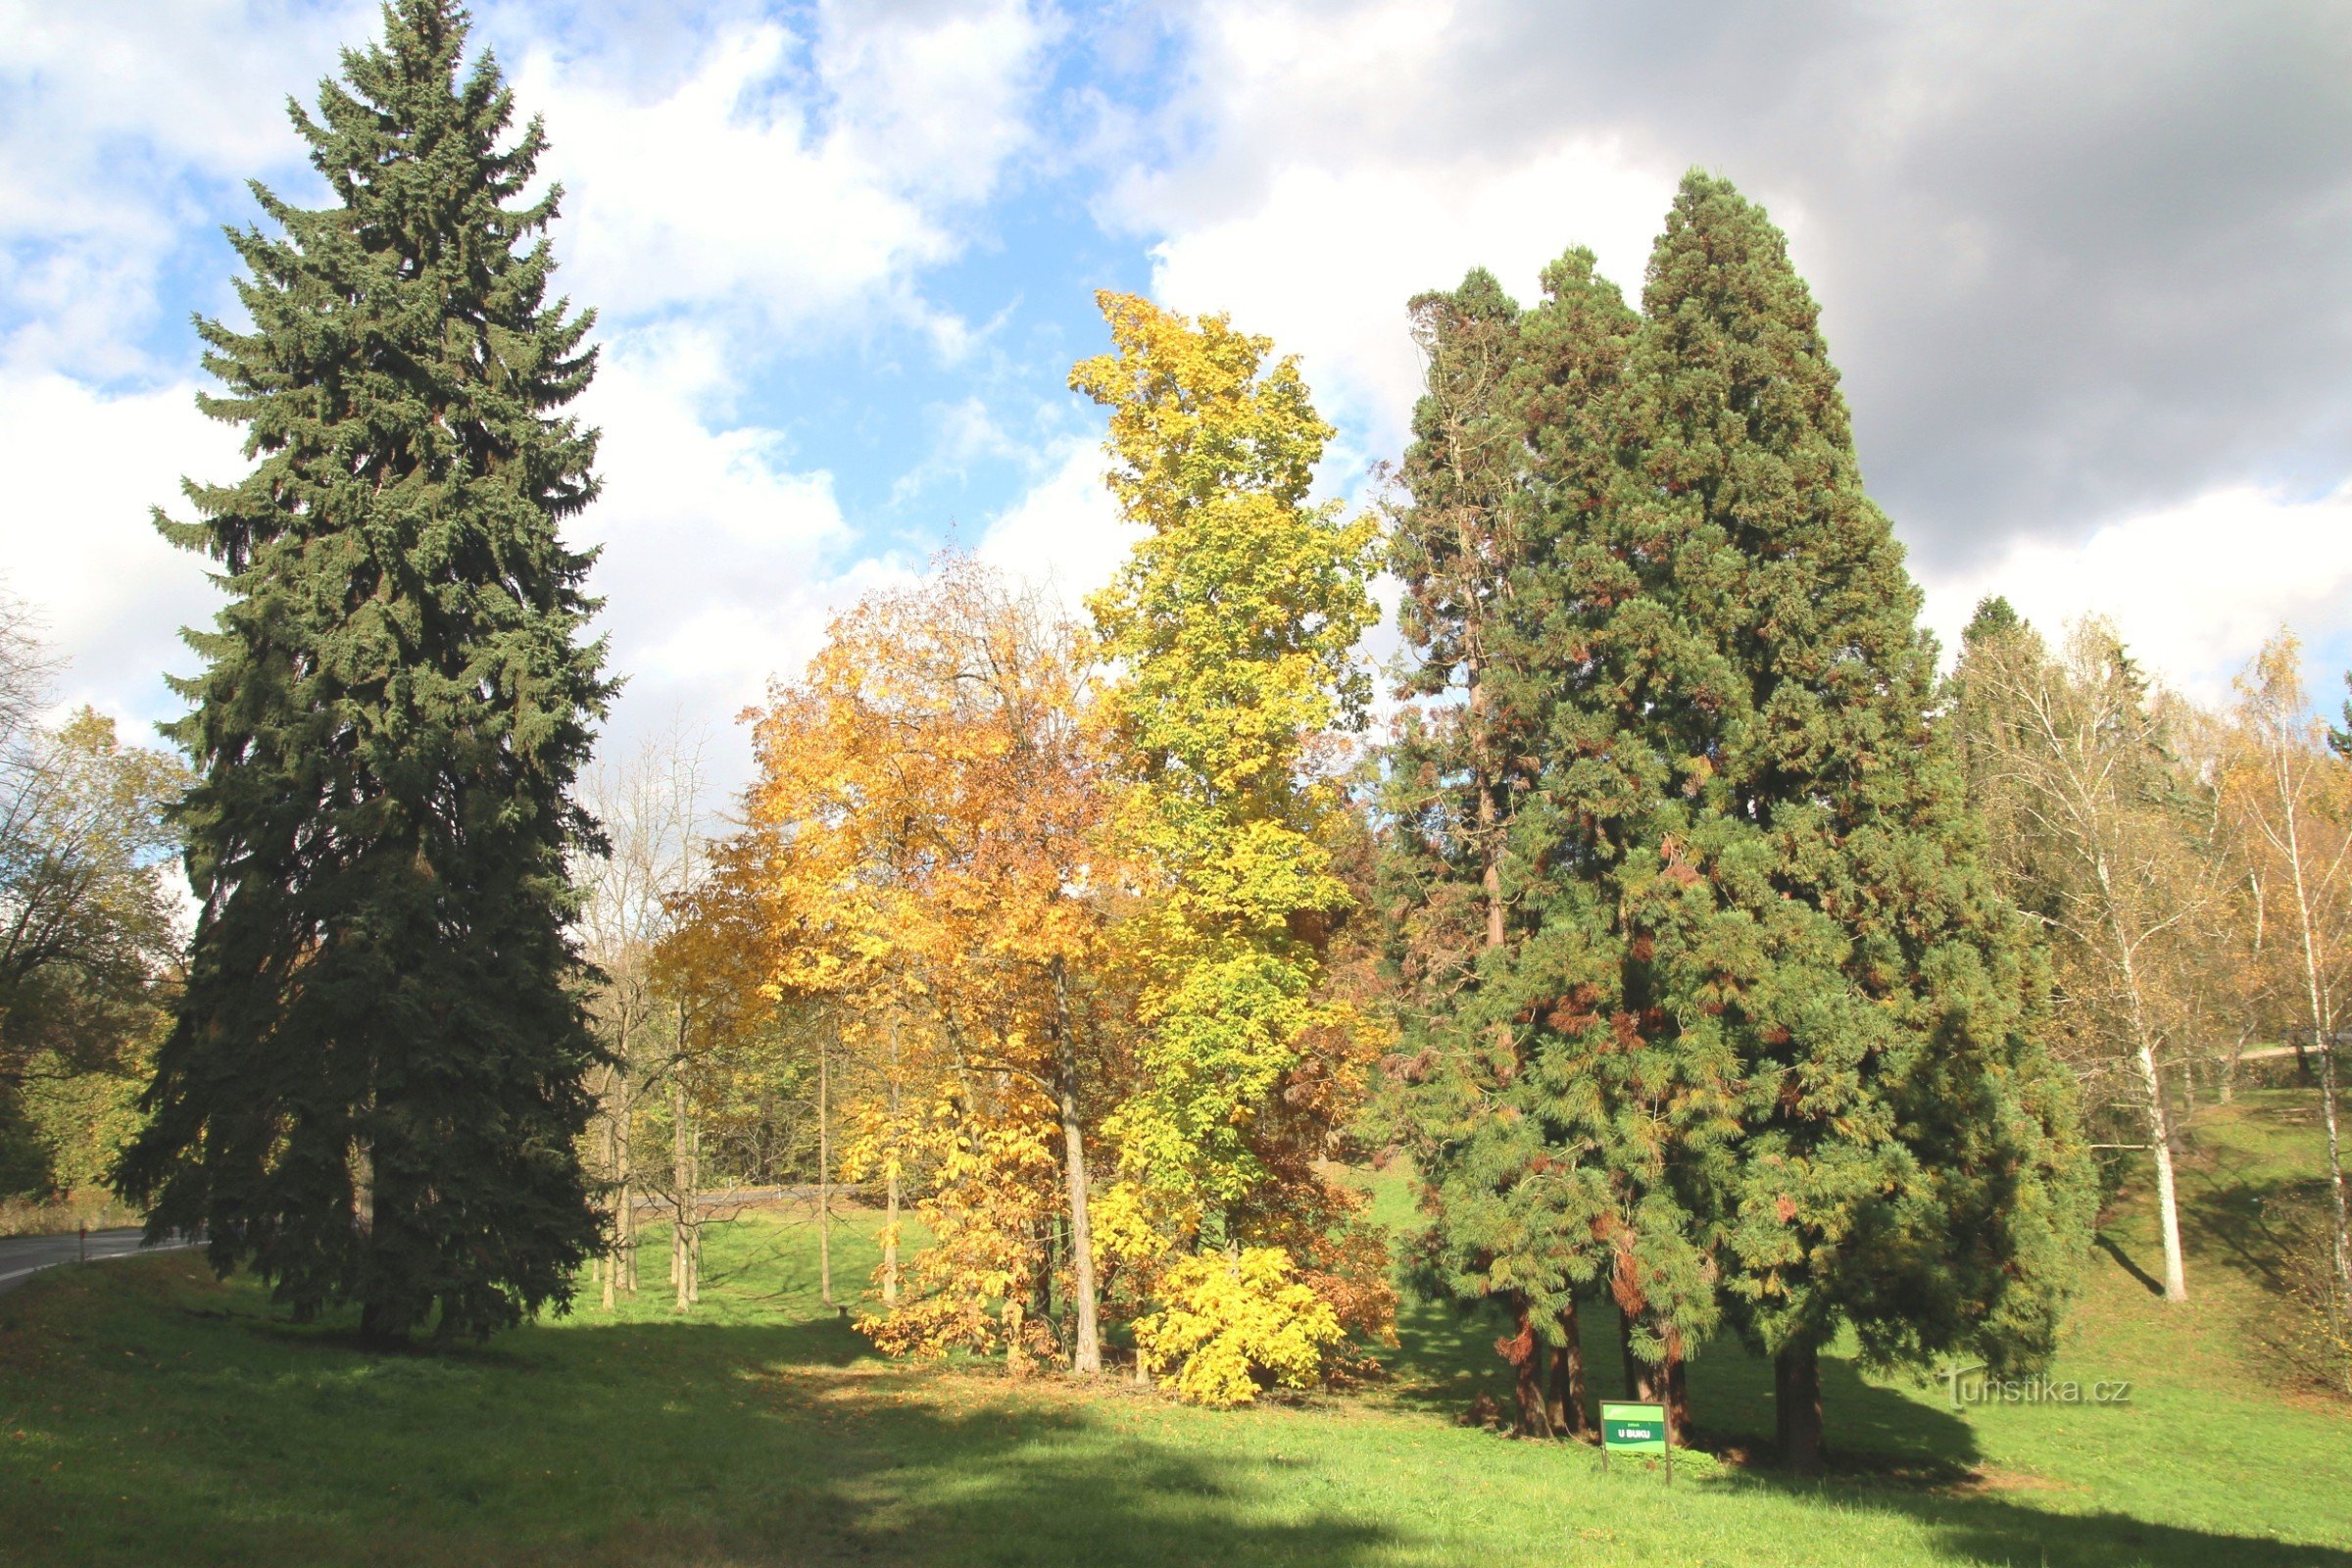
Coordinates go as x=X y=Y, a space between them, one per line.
x=1233 y=624
x=931 y=806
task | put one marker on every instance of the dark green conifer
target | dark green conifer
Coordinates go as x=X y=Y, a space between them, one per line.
x=1636 y=1101
x=373 y=1086
x=1505 y=471
x=1451 y=782
x=1907 y=1162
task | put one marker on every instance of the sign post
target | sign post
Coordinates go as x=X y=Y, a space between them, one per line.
x=1635 y=1429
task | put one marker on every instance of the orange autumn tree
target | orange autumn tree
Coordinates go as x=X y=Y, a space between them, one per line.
x=930 y=806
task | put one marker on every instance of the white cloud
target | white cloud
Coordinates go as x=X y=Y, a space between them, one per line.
x=756 y=185
x=935 y=99
x=1324 y=255
x=719 y=192
x=1316 y=175
x=106 y=112
x=85 y=469
x=2193 y=589
x=1315 y=184
x=717 y=564
x=198 y=84
x=1064 y=537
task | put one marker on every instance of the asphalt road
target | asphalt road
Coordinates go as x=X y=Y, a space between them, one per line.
x=23 y=1256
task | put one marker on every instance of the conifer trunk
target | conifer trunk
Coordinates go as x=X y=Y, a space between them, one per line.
x=1641 y=1382
x=1482 y=779
x=1571 y=1396
x=1797 y=1407
x=1524 y=1350
x=1675 y=1391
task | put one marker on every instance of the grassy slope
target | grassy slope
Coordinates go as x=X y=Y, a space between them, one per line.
x=150 y=1415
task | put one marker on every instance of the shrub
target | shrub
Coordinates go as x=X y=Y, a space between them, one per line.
x=1237 y=1323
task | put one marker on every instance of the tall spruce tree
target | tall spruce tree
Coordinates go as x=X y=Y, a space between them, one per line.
x=1908 y=1162
x=373 y=1088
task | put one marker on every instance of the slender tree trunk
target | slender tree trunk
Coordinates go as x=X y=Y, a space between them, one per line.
x=824 y=1172
x=2226 y=1089
x=610 y=1264
x=1571 y=1397
x=1086 y=1354
x=2151 y=1083
x=2335 y=1170
x=1524 y=1350
x=2323 y=1032
x=890 y=1185
x=681 y=1165
x=628 y=1247
x=2168 y=1193
x=694 y=1248
x=1797 y=1407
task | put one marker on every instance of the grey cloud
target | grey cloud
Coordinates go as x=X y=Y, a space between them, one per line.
x=2074 y=261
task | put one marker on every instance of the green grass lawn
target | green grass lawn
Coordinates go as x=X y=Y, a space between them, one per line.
x=150 y=1415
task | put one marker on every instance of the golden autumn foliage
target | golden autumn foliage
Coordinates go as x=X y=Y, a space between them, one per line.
x=1237 y=1322
x=1066 y=917
x=932 y=805
x=1234 y=621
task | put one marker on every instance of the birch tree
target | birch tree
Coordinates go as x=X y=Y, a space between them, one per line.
x=2102 y=844
x=2293 y=799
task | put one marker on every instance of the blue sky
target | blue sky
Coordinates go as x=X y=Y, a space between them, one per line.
x=2083 y=270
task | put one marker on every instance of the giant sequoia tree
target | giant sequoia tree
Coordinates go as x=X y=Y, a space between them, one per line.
x=1512 y=443
x=373 y=1088
x=1759 y=1041
x=1907 y=1162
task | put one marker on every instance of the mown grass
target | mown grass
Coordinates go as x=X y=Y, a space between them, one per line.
x=150 y=1415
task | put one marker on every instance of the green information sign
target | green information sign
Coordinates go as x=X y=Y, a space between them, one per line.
x=1635 y=1429
x=1632 y=1428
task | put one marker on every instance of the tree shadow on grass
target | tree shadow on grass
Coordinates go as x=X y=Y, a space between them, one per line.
x=725 y=1444
x=1446 y=1357
x=1969 y=1524
x=2254 y=1222
x=2113 y=1249
x=248 y=1441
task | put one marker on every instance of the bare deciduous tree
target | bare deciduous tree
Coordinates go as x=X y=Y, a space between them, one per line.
x=652 y=808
